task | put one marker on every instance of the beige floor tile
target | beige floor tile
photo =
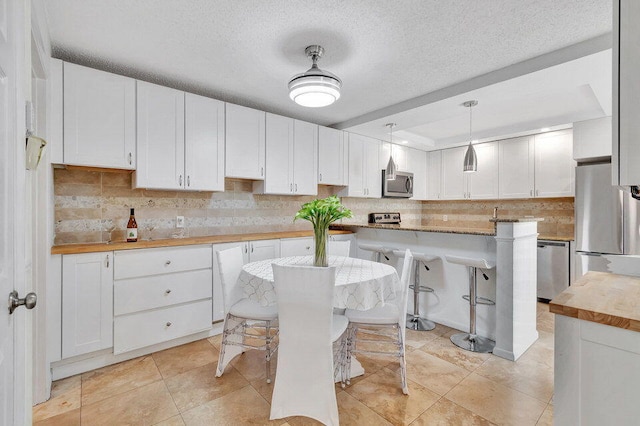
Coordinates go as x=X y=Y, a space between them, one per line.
x=115 y=379
x=354 y=412
x=173 y=421
x=242 y=407
x=444 y=349
x=251 y=365
x=198 y=386
x=546 y=419
x=68 y=418
x=149 y=404
x=216 y=341
x=495 y=402
x=433 y=373
x=263 y=388
x=541 y=308
x=545 y=322
x=526 y=375
x=417 y=339
x=382 y=393
x=372 y=364
x=65 y=396
x=445 y=413
x=185 y=357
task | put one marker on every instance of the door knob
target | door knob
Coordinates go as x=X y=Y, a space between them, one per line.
x=29 y=301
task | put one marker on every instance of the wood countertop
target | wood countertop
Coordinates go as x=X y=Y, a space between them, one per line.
x=122 y=245
x=602 y=297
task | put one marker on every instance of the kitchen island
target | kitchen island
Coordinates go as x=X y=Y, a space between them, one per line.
x=597 y=351
x=512 y=284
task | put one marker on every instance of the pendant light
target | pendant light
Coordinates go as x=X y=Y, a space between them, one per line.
x=470 y=158
x=315 y=87
x=391 y=169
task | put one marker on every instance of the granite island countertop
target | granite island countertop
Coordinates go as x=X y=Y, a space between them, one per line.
x=602 y=297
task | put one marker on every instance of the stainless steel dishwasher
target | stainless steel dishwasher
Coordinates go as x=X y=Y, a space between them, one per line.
x=553 y=268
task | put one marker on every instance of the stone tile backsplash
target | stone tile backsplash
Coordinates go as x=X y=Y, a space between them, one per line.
x=93 y=207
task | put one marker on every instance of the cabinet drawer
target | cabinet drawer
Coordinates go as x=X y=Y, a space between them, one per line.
x=140 y=294
x=140 y=263
x=150 y=327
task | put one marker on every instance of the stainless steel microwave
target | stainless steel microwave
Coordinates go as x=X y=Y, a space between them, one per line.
x=400 y=187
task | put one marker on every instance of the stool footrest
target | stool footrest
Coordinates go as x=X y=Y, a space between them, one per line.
x=479 y=300
x=422 y=288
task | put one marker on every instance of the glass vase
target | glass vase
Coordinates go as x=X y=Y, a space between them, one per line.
x=321 y=236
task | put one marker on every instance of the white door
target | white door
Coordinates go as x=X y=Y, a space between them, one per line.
x=516 y=167
x=483 y=184
x=305 y=158
x=204 y=143
x=454 y=182
x=15 y=400
x=434 y=174
x=554 y=164
x=279 y=155
x=245 y=148
x=160 y=131
x=332 y=157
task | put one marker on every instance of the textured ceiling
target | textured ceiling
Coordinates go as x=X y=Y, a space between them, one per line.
x=385 y=52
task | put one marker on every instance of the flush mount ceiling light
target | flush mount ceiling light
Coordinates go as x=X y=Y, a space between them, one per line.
x=314 y=88
x=390 y=172
x=470 y=158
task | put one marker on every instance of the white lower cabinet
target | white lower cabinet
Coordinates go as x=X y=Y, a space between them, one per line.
x=296 y=246
x=160 y=295
x=87 y=303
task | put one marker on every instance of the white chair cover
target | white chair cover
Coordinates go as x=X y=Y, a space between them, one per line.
x=304 y=382
x=339 y=248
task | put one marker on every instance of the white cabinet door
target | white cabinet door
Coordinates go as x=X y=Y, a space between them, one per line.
x=483 y=184
x=99 y=118
x=516 y=164
x=204 y=143
x=401 y=157
x=296 y=246
x=305 y=158
x=160 y=130
x=332 y=157
x=371 y=168
x=417 y=164
x=434 y=175
x=263 y=250
x=279 y=156
x=356 y=187
x=592 y=139
x=554 y=165
x=245 y=142
x=87 y=303
x=454 y=183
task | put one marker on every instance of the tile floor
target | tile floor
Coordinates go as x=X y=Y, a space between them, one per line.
x=448 y=386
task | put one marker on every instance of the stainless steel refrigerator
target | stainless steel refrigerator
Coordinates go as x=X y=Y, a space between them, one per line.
x=607 y=220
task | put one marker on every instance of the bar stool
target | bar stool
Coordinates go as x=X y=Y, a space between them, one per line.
x=470 y=341
x=415 y=321
x=378 y=250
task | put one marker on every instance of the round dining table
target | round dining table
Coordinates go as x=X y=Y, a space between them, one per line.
x=360 y=284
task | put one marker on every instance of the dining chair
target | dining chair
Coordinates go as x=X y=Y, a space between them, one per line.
x=381 y=319
x=242 y=313
x=304 y=383
x=339 y=248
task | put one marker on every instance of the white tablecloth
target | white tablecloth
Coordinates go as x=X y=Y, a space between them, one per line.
x=360 y=284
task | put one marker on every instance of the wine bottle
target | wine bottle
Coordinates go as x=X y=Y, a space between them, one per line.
x=132 y=229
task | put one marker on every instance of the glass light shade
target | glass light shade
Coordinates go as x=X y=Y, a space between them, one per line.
x=470 y=160
x=315 y=88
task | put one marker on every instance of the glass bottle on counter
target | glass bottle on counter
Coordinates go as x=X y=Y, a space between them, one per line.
x=132 y=229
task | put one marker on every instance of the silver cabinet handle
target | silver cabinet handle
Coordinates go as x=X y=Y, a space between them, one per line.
x=320 y=177
x=188 y=180
x=308 y=248
x=168 y=324
x=107 y=263
x=246 y=248
x=290 y=187
x=167 y=291
x=180 y=181
x=29 y=301
x=168 y=262
x=296 y=185
x=251 y=248
x=261 y=171
x=130 y=159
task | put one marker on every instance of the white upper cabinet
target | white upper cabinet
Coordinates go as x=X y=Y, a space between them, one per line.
x=245 y=143
x=434 y=175
x=99 y=118
x=332 y=157
x=400 y=156
x=160 y=129
x=454 y=183
x=291 y=157
x=592 y=139
x=417 y=164
x=204 y=143
x=483 y=184
x=364 y=168
x=517 y=167
x=554 y=165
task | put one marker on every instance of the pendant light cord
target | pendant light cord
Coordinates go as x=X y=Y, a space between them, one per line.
x=470 y=113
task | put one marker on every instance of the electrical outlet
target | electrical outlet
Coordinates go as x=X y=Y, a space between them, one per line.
x=445 y=218
x=179 y=221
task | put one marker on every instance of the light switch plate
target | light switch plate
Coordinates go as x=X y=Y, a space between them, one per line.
x=179 y=221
